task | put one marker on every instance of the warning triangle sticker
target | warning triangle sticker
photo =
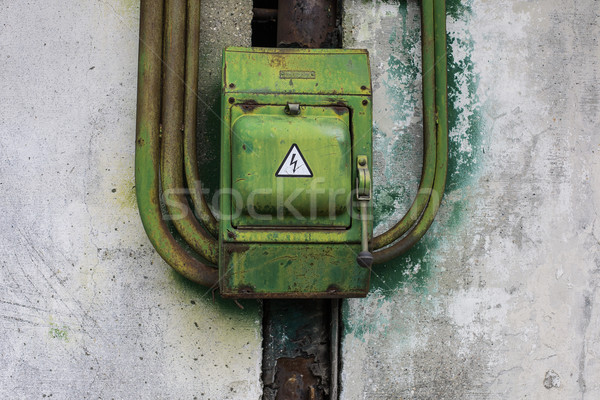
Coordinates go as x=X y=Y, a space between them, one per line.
x=294 y=164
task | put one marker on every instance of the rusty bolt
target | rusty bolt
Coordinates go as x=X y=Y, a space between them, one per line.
x=365 y=102
x=231 y=100
x=232 y=85
x=363 y=87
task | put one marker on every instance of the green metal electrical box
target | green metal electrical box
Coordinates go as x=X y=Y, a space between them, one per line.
x=296 y=148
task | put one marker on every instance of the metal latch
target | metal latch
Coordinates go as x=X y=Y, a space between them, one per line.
x=363 y=195
x=292 y=109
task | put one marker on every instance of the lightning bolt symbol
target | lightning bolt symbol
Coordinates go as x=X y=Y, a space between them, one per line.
x=293 y=162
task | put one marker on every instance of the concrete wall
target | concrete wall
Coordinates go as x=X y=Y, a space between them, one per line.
x=499 y=301
x=87 y=307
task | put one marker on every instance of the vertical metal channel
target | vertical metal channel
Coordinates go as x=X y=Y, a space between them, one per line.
x=297 y=350
x=300 y=337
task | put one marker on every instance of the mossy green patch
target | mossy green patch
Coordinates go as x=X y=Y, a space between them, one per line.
x=128 y=5
x=126 y=195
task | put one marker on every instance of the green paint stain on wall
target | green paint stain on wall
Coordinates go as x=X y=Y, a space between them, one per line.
x=458 y=9
x=464 y=121
x=415 y=268
x=402 y=95
x=365 y=322
x=125 y=194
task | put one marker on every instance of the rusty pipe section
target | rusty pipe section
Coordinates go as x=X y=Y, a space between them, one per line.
x=149 y=168
x=307 y=23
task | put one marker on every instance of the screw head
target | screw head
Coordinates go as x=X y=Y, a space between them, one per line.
x=231 y=100
x=365 y=102
x=232 y=85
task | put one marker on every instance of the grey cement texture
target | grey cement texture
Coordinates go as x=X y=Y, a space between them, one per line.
x=88 y=310
x=500 y=299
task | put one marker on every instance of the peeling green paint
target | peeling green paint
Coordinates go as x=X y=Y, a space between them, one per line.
x=458 y=9
x=416 y=267
x=397 y=142
x=402 y=94
x=464 y=116
x=364 y=321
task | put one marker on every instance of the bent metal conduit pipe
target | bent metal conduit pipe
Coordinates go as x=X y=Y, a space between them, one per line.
x=429 y=135
x=147 y=151
x=177 y=28
x=433 y=44
x=173 y=88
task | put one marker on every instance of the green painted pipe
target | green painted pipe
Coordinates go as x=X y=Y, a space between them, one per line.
x=174 y=194
x=147 y=152
x=189 y=131
x=429 y=141
x=441 y=165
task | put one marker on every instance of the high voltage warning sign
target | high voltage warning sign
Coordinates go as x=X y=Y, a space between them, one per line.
x=294 y=164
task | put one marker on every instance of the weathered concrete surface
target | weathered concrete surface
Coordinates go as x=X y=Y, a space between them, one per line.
x=500 y=300
x=87 y=308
